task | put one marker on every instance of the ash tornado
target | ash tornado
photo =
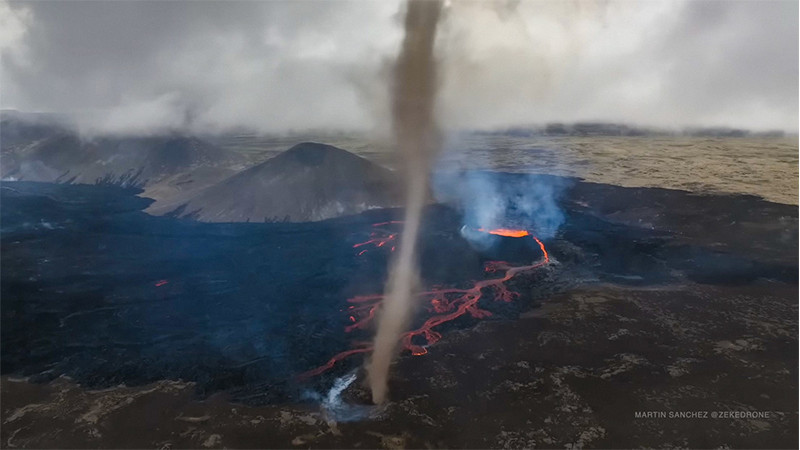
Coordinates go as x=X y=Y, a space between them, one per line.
x=416 y=135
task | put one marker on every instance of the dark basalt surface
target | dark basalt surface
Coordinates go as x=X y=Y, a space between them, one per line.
x=657 y=300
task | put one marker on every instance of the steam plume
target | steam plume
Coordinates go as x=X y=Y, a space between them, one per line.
x=413 y=97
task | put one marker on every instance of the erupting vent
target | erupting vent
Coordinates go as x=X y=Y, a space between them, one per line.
x=506 y=232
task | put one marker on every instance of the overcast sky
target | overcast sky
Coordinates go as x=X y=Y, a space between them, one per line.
x=279 y=65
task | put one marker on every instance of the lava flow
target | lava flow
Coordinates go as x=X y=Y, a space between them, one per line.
x=447 y=303
x=379 y=238
x=506 y=232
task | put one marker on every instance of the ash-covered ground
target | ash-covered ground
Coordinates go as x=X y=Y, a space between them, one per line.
x=121 y=329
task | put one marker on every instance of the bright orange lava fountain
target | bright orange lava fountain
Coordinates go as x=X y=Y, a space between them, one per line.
x=447 y=303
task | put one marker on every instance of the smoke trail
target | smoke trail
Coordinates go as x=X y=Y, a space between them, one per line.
x=492 y=200
x=415 y=131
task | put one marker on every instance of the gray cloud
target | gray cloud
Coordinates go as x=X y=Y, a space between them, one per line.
x=279 y=65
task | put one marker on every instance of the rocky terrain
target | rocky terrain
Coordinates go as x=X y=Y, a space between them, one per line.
x=663 y=318
x=659 y=309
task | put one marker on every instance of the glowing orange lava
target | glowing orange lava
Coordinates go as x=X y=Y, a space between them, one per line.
x=447 y=303
x=391 y=222
x=506 y=232
x=379 y=238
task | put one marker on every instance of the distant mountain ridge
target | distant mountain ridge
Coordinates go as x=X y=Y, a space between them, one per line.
x=619 y=129
x=19 y=129
x=192 y=178
x=45 y=147
x=127 y=161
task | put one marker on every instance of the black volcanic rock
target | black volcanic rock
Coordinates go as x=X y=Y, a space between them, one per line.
x=653 y=296
x=308 y=182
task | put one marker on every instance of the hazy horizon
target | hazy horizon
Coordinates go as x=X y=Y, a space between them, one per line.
x=277 y=67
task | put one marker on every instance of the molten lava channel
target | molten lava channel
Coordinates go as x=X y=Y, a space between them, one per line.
x=378 y=239
x=447 y=303
x=506 y=232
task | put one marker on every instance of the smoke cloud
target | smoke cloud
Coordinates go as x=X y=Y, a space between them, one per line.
x=280 y=65
x=490 y=201
x=413 y=97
